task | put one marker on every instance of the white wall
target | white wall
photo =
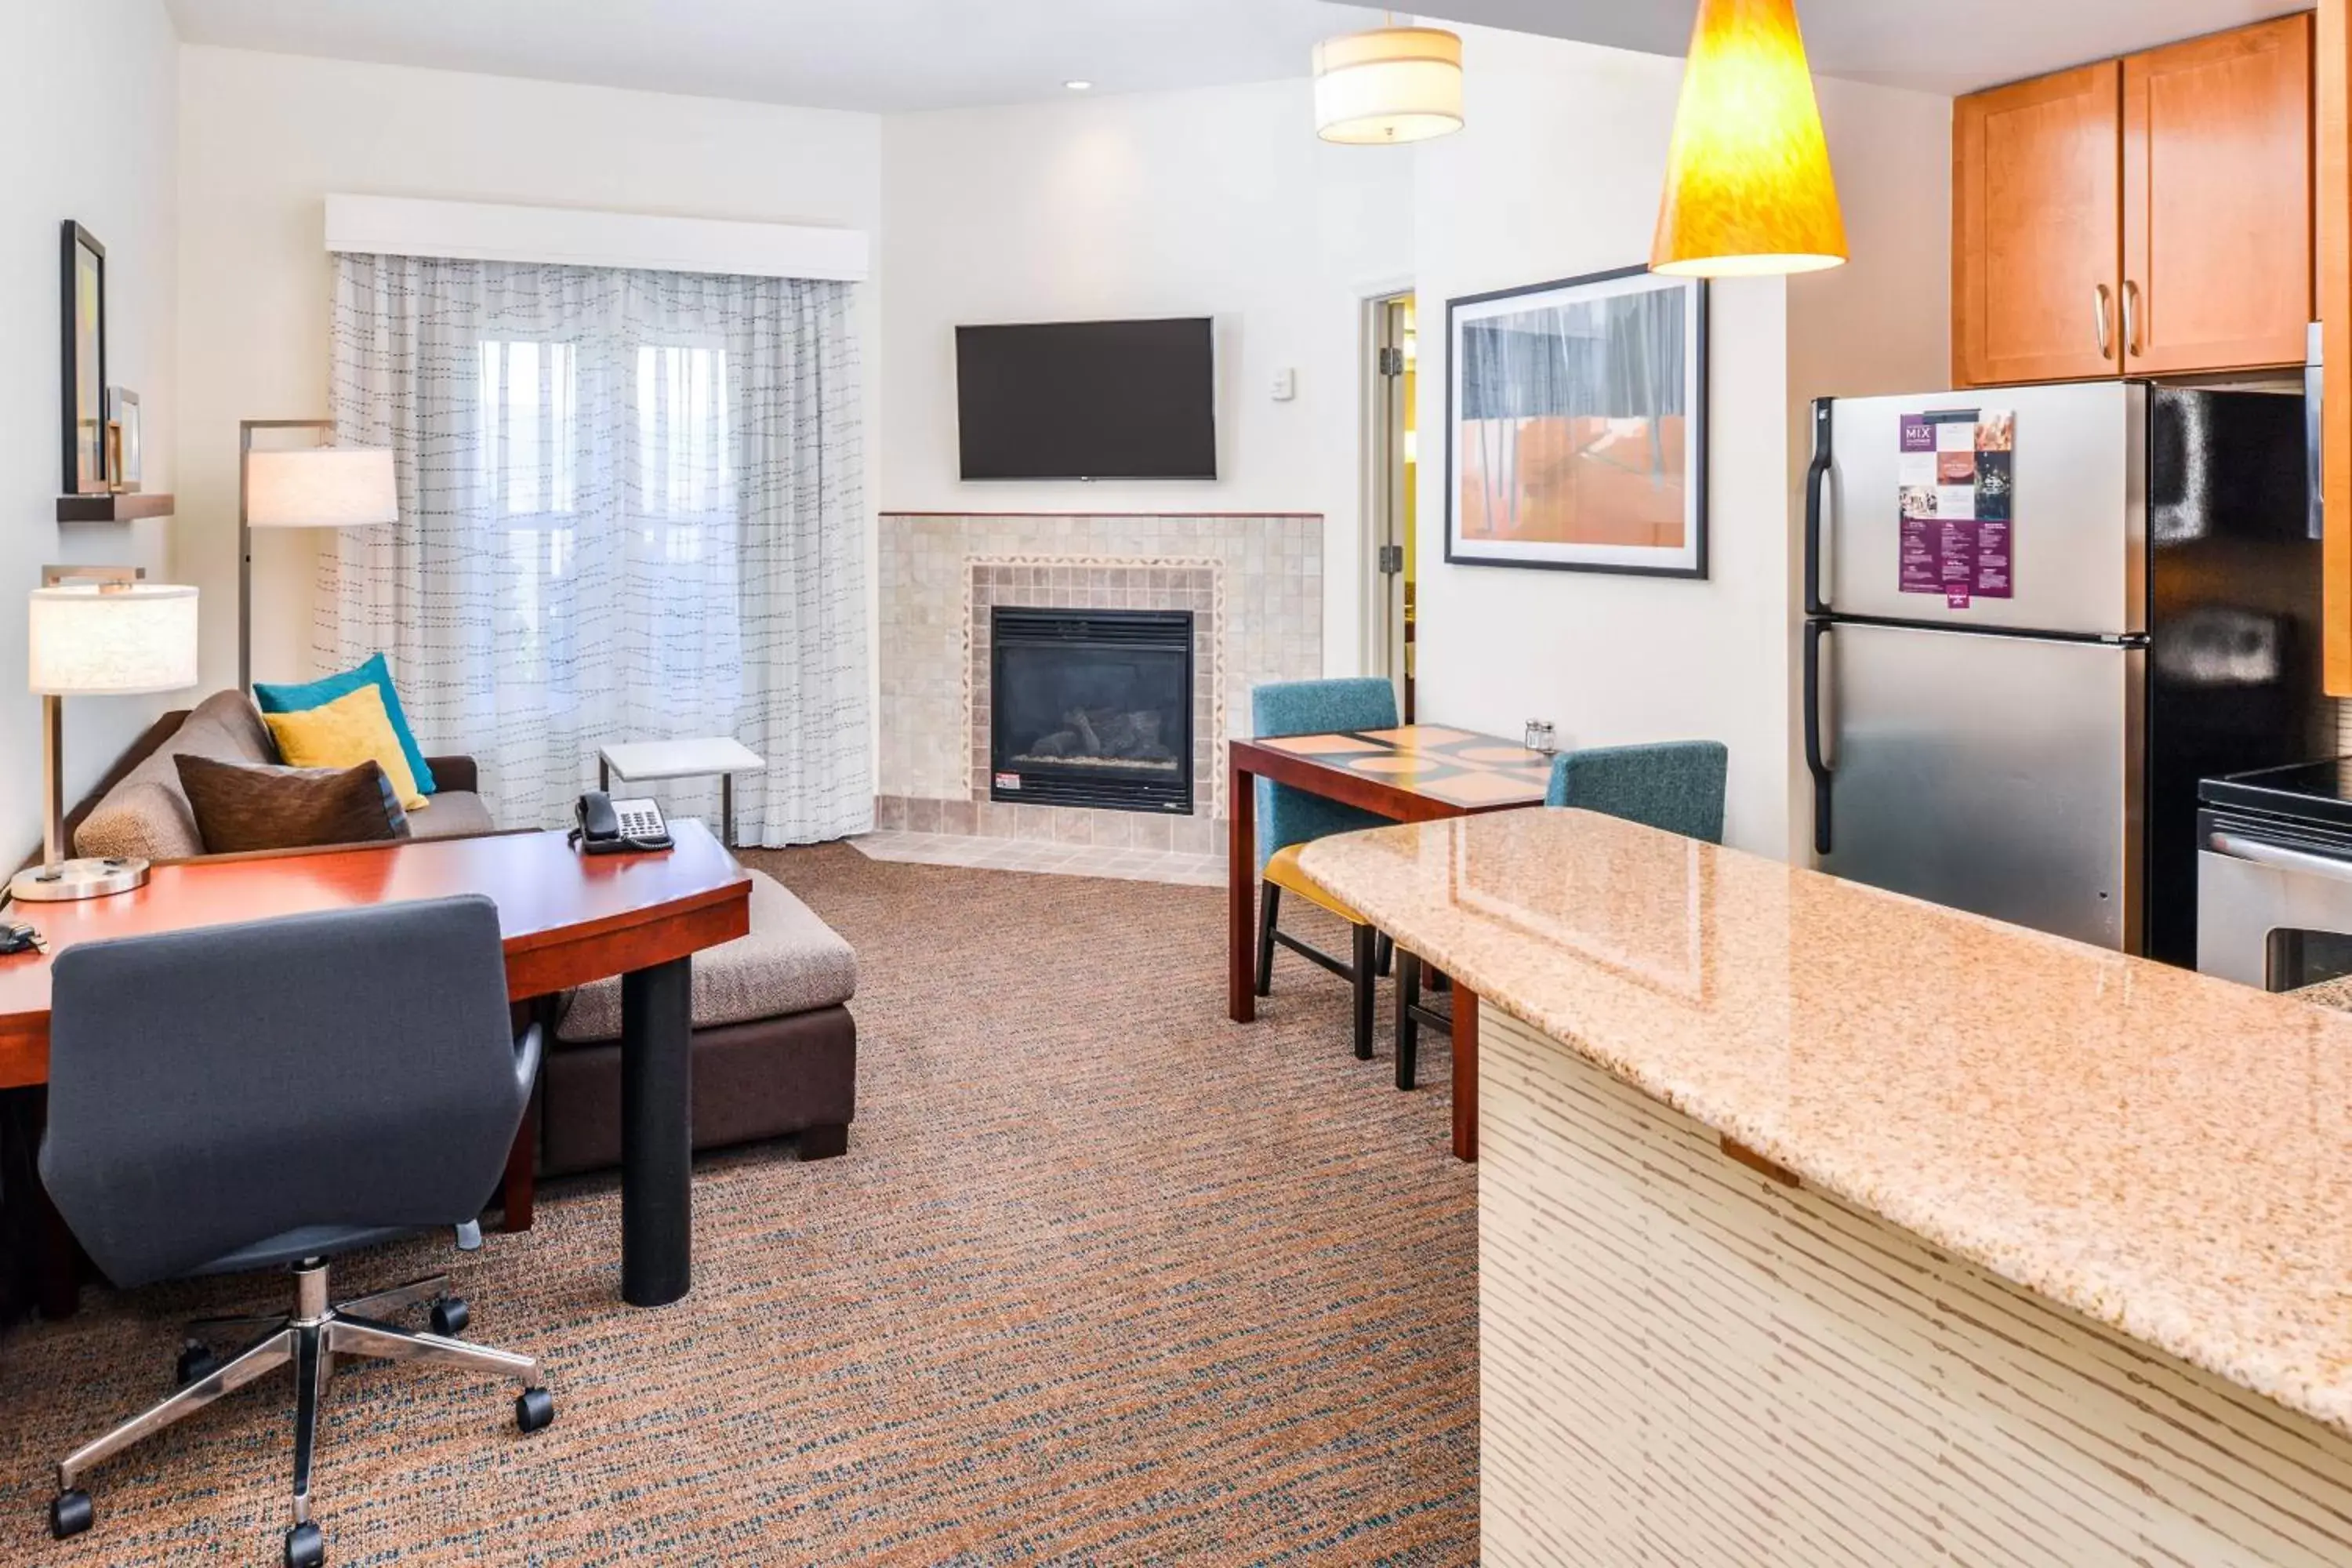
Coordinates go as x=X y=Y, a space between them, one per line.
x=264 y=138
x=1220 y=203
x=1558 y=174
x=88 y=109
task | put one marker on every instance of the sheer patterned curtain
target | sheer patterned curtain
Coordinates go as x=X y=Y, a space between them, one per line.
x=630 y=509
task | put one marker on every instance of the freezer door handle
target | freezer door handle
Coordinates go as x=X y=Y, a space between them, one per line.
x=1814 y=762
x=1817 y=478
x=2283 y=859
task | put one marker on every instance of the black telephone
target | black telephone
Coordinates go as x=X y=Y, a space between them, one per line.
x=609 y=826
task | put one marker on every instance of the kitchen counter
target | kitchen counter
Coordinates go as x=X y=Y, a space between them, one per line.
x=2336 y=993
x=2166 y=1155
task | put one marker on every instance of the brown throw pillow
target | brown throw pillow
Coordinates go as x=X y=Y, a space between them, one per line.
x=240 y=808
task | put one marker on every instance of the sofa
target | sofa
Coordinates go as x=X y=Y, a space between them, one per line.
x=139 y=809
x=775 y=1047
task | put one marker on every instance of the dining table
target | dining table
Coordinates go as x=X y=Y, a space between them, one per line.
x=1413 y=773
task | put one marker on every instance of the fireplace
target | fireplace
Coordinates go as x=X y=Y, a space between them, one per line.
x=1091 y=707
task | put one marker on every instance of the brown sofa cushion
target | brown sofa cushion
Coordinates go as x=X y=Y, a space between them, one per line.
x=147 y=815
x=791 y=963
x=242 y=807
x=751 y=1081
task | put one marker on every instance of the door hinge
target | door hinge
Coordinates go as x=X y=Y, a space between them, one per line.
x=1392 y=362
x=1392 y=560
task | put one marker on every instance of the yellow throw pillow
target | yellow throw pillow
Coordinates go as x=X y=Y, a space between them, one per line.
x=352 y=730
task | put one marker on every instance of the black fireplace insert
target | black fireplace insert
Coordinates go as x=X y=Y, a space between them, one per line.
x=1092 y=708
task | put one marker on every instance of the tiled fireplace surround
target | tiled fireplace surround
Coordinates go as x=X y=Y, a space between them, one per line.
x=1254 y=584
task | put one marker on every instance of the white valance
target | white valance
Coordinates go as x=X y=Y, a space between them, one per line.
x=474 y=231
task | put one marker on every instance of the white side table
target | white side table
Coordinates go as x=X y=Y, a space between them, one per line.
x=644 y=761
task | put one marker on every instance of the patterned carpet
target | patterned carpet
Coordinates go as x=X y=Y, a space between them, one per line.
x=1103 y=1279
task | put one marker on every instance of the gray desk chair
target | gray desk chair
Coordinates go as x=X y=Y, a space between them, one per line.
x=271 y=1095
x=1675 y=787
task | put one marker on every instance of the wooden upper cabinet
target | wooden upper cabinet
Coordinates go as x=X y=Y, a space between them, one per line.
x=2218 y=201
x=2331 y=113
x=2037 y=229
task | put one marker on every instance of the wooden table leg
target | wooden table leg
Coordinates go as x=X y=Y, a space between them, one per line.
x=57 y=1256
x=657 y=1133
x=517 y=1195
x=57 y=1277
x=1465 y=1074
x=1241 y=887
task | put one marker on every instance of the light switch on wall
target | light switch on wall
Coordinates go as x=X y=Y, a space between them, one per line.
x=1285 y=386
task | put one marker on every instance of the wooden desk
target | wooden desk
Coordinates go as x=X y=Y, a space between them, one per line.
x=1421 y=773
x=567 y=919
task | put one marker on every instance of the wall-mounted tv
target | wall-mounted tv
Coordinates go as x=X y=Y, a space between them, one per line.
x=1088 y=400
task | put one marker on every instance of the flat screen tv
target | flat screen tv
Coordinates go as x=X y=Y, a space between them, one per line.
x=1088 y=400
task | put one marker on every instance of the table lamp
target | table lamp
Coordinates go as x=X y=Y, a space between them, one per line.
x=96 y=631
x=302 y=487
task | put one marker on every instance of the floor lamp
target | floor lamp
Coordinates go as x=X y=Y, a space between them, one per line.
x=301 y=487
x=96 y=631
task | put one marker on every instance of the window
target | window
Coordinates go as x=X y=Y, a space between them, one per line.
x=535 y=454
x=530 y=428
x=593 y=460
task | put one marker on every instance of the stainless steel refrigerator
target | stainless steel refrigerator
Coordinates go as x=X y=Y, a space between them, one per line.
x=2025 y=739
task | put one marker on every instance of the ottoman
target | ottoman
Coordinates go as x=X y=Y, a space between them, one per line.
x=776 y=1050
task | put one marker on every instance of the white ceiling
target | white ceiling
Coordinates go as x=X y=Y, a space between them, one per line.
x=1935 y=46
x=890 y=56
x=883 y=56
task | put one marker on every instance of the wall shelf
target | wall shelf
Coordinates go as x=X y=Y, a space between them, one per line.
x=114 y=508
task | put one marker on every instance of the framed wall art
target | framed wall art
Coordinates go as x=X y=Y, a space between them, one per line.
x=84 y=359
x=124 y=461
x=1575 y=425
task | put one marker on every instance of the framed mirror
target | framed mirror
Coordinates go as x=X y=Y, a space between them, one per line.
x=84 y=358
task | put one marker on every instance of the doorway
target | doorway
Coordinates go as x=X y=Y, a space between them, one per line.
x=1393 y=404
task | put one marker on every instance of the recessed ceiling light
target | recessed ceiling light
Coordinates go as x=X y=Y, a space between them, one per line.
x=1080 y=85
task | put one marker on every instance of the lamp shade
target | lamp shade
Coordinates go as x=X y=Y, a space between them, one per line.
x=88 y=641
x=320 y=487
x=1748 y=187
x=1392 y=84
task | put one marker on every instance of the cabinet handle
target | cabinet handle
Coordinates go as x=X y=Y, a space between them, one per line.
x=2131 y=317
x=2103 y=306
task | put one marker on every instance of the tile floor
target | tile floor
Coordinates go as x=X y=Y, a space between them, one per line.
x=1053 y=859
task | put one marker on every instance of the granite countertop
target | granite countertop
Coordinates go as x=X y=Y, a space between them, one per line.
x=2337 y=993
x=2167 y=1153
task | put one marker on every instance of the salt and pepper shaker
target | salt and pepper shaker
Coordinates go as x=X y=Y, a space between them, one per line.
x=1542 y=737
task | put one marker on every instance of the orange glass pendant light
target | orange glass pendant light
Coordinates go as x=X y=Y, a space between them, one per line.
x=1748 y=187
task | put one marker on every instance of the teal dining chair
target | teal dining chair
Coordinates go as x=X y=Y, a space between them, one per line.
x=1289 y=819
x=1676 y=787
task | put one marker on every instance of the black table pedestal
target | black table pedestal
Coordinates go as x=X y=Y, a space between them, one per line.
x=657 y=1135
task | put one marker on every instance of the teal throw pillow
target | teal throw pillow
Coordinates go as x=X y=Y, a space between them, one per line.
x=375 y=672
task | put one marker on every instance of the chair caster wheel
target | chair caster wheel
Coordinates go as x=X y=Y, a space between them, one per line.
x=534 y=1409
x=449 y=1316
x=71 y=1514
x=305 y=1547
x=196 y=1363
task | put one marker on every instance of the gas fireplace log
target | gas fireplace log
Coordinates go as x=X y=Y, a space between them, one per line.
x=1105 y=734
